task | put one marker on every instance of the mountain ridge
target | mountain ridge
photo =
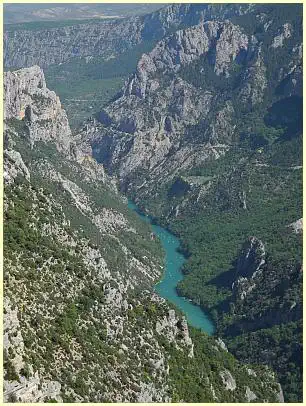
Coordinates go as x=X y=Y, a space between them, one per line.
x=79 y=304
x=206 y=137
x=191 y=138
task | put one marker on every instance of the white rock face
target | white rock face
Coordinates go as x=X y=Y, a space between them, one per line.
x=284 y=33
x=180 y=103
x=251 y=372
x=111 y=221
x=228 y=380
x=28 y=390
x=12 y=335
x=149 y=123
x=249 y=395
x=186 y=46
x=254 y=81
x=280 y=394
x=249 y=267
x=13 y=164
x=231 y=42
x=32 y=390
x=297 y=226
x=221 y=344
x=18 y=88
x=148 y=393
x=171 y=326
x=27 y=98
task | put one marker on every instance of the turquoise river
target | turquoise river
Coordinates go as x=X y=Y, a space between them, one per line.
x=166 y=288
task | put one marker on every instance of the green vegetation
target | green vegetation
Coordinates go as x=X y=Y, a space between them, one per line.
x=82 y=98
x=56 y=292
x=65 y=305
x=201 y=74
x=85 y=85
x=254 y=189
x=19 y=126
x=284 y=342
x=212 y=236
x=11 y=373
x=194 y=377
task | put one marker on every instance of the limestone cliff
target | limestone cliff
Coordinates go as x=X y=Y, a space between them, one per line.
x=27 y=99
x=164 y=105
x=24 y=47
x=56 y=274
x=187 y=100
x=82 y=323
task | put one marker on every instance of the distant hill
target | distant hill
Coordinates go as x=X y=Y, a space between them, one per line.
x=21 y=13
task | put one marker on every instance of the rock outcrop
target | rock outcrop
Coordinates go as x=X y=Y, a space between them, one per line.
x=24 y=48
x=284 y=33
x=79 y=267
x=249 y=267
x=180 y=107
x=82 y=322
x=39 y=110
x=13 y=164
x=164 y=106
x=228 y=380
x=297 y=226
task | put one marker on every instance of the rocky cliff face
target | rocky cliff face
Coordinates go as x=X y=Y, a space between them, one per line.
x=28 y=100
x=24 y=48
x=92 y=52
x=206 y=136
x=180 y=106
x=66 y=265
x=59 y=45
x=81 y=320
x=249 y=265
x=164 y=104
x=186 y=46
x=254 y=277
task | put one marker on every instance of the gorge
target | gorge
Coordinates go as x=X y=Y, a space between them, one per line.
x=172 y=274
x=191 y=114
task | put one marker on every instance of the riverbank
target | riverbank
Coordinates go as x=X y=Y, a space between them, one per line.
x=167 y=286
